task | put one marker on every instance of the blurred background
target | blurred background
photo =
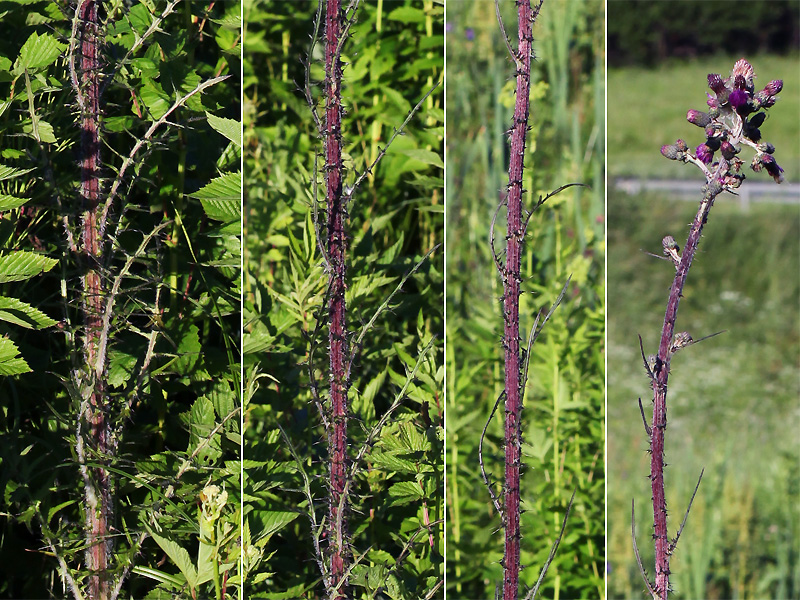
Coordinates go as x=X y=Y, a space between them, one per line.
x=734 y=400
x=563 y=419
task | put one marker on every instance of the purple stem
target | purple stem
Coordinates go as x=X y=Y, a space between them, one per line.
x=338 y=346
x=511 y=292
x=659 y=424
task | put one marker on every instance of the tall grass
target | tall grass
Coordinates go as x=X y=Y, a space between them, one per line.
x=562 y=426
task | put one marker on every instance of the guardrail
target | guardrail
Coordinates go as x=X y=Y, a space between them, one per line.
x=751 y=191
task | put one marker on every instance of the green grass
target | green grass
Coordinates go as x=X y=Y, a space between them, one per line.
x=732 y=401
x=647 y=108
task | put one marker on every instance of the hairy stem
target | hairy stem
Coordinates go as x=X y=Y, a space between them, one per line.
x=98 y=493
x=663 y=550
x=338 y=346
x=511 y=292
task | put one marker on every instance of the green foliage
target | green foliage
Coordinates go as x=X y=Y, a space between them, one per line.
x=728 y=396
x=394 y=57
x=646 y=33
x=563 y=418
x=171 y=267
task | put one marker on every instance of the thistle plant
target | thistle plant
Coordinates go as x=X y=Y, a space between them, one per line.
x=516 y=360
x=731 y=124
x=89 y=117
x=335 y=389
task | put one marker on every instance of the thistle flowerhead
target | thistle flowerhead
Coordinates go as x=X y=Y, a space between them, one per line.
x=734 y=119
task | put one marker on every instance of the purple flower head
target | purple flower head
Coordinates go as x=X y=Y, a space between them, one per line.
x=469 y=33
x=698 y=118
x=737 y=98
x=739 y=83
x=448 y=26
x=704 y=154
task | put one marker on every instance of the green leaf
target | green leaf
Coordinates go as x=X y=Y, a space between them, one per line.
x=24 y=315
x=405 y=492
x=177 y=555
x=21 y=265
x=10 y=363
x=11 y=172
x=274 y=521
x=43 y=132
x=10 y=202
x=230 y=128
x=38 y=52
x=425 y=156
x=221 y=198
x=407 y=14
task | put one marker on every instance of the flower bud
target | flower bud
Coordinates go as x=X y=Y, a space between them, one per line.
x=772 y=167
x=716 y=84
x=773 y=87
x=757 y=120
x=682 y=146
x=704 y=154
x=728 y=150
x=671 y=151
x=698 y=118
x=766 y=147
x=751 y=133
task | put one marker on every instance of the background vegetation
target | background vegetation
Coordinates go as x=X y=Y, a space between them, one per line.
x=395 y=57
x=563 y=421
x=733 y=400
x=646 y=34
x=174 y=256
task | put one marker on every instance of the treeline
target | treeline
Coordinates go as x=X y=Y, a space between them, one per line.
x=644 y=33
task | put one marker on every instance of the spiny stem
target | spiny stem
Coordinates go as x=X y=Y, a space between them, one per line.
x=511 y=293
x=98 y=492
x=337 y=310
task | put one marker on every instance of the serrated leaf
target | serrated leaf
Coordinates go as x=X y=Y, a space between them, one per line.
x=38 y=52
x=221 y=197
x=17 y=312
x=10 y=363
x=178 y=555
x=22 y=265
x=11 y=172
x=274 y=520
x=409 y=490
x=230 y=128
x=10 y=202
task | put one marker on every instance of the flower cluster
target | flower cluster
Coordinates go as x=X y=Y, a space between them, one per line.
x=736 y=113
